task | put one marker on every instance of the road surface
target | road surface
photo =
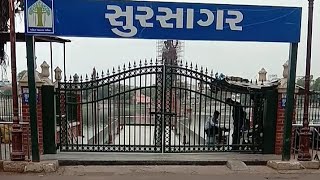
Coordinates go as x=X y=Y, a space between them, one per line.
x=165 y=172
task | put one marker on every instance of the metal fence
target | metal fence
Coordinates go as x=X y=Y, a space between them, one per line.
x=6 y=139
x=314 y=123
x=314 y=108
x=6 y=108
x=6 y=121
x=5 y=126
x=314 y=139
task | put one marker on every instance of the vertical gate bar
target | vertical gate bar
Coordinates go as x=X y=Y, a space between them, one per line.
x=244 y=120
x=195 y=115
x=175 y=109
x=59 y=115
x=130 y=97
x=140 y=112
x=168 y=118
x=190 y=119
x=224 y=117
x=71 y=115
x=210 y=116
x=73 y=109
x=157 y=77
x=150 y=108
x=81 y=109
x=172 y=103
x=230 y=115
x=185 y=111
x=111 y=123
x=205 y=109
x=180 y=107
x=301 y=113
x=135 y=108
x=119 y=111
x=78 y=103
x=66 y=112
x=163 y=103
x=87 y=113
x=145 y=107
x=124 y=109
x=98 y=110
x=114 y=102
x=219 y=124
x=200 y=107
x=68 y=115
x=102 y=97
x=255 y=116
x=190 y=105
x=251 y=115
x=96 y=117
x=317 y=105
x=247 y=121
x=92 y=112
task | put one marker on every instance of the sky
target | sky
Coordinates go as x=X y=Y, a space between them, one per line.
x=242 y=59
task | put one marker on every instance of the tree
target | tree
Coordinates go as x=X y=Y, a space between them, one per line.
x=316 y=84
x=4 y=18
x=4 y=13
x=301 y=82
x=21 y=73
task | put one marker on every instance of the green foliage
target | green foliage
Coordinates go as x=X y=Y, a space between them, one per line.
x=314 y=84
x=21 y=73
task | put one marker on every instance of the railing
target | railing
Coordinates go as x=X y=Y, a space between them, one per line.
x=6 y=108
x=6 y=139
x=314 y=108
x=314 y=139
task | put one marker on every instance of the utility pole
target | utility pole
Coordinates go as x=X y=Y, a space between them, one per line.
x=17 y=152
x=304 y=154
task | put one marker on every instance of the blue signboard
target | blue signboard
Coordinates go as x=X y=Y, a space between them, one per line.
x=283 y=102
x=163 y=20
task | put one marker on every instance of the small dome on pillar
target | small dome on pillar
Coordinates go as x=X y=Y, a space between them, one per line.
x=262 y=75
x=45 y=69
x=58 y=72
x=285 y=72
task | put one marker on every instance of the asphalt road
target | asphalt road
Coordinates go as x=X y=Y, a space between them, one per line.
x=166 y=173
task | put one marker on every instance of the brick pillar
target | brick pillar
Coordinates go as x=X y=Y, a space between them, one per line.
x=26 y=135
x=280 y=122
x=279 y=125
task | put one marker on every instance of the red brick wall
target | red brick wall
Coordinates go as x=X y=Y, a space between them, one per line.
x=280 y=126
x=26 y=135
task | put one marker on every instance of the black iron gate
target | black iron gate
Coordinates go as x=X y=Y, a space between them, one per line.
x=155 y=107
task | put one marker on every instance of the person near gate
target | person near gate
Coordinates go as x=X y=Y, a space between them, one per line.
x=212 y=129
x=239 y=118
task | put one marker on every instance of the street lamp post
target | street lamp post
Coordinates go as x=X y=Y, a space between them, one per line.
x=17 y=152
x=304 y=154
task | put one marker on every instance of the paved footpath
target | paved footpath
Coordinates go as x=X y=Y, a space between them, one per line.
x=165 y=173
